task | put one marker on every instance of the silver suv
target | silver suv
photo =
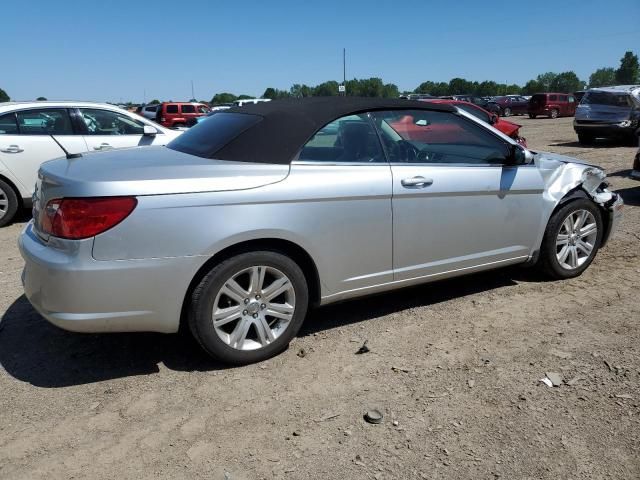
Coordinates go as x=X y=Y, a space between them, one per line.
x=608 y=112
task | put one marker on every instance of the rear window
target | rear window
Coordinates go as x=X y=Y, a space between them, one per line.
x=607 y=98
x=206 y=138
x=188 y=109
x=172 y=108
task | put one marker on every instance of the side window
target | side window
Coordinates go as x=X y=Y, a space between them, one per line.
x=8 y=125
x=347 y=139
x=172 y=108
x=49 y=121
x=553 y=98
x=571 y=99
x=425 y=136
x=188 y=109
x=106 y=122
x=203 y=109
x=563 y=98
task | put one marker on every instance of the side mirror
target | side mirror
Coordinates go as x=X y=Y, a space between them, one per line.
x=518 y=156
x=149 y=131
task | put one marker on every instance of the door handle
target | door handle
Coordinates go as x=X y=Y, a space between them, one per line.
x=12 y=149
x=416 y=182
x=103 y=146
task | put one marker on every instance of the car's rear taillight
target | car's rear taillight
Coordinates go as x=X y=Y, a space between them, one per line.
x=78 y=218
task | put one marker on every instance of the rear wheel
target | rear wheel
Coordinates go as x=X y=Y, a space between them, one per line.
x=177 y=125
x=553 y=113
x=507 y=112
x=249 y=307
x=585 y=139
x=8 y=203
x=572 y=239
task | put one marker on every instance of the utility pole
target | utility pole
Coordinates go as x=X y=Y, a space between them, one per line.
x=192 y=94
x=342 y=89
x=144 y=97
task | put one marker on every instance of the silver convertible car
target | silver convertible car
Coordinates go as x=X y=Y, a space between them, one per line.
x=238 y=225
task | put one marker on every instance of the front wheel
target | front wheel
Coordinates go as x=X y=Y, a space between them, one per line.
x=553 y=113
x=572 y=239
x=249 y=307
x=8 y=204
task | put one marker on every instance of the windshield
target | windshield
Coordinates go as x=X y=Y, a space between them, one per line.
x=607 y=98
x=206 y=138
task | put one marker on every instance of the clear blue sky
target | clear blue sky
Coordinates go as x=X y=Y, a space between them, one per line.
x=116 y=50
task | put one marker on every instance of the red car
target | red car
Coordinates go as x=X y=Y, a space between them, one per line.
x=508 y=128
x=552 y=105
x=512 y=105
x=178 y=114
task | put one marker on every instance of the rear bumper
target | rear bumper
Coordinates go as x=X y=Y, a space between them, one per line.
x=78 y=293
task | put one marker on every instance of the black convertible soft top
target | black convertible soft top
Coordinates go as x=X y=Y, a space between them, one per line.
x=286 y=125
x=289 y=123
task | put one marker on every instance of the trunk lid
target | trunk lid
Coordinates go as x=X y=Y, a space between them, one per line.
x=146 y=171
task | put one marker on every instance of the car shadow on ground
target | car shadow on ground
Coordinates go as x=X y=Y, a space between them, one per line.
x=631 y=196
x=599 y=143
x=34 y=351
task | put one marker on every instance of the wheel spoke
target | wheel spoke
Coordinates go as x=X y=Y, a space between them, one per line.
x=225 y=315
x=585 y=247
x=562 y=256
x=588 y=230
x=276 y=288
x=265 y=334
x=280 y=310
x=580 y=218
x=239 y=333
x=257 y=279
x=568 y=225
x=562 y=239
x=573 y=257
x=234 y=291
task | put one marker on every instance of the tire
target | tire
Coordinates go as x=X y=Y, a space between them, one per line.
x=246 y=307
x=531 y=115
x=506 y=112
x=552 y=252
x=585 y=139
x=178 y=125
x=8 y=204
x=553 y=113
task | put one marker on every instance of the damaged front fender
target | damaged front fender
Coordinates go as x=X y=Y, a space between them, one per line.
x=563 y=175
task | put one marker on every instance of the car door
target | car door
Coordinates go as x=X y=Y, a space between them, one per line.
x=344 y=181
x=32 y=136
x=108 y=129
x=520 y=105
x=456 y=205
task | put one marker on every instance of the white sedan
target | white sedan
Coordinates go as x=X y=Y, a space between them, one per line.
x=33 y=132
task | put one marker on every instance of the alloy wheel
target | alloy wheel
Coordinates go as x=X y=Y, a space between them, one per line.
x=253 y=308
x=507 y=112
x=576 y=239
x=4 y=203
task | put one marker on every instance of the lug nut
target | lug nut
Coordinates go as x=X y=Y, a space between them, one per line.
x=258 y=297
x=255 y=315
x=244 y=312
x=263 y=306
x=246 y=300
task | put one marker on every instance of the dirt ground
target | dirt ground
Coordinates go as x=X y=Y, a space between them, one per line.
x=455 y=367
